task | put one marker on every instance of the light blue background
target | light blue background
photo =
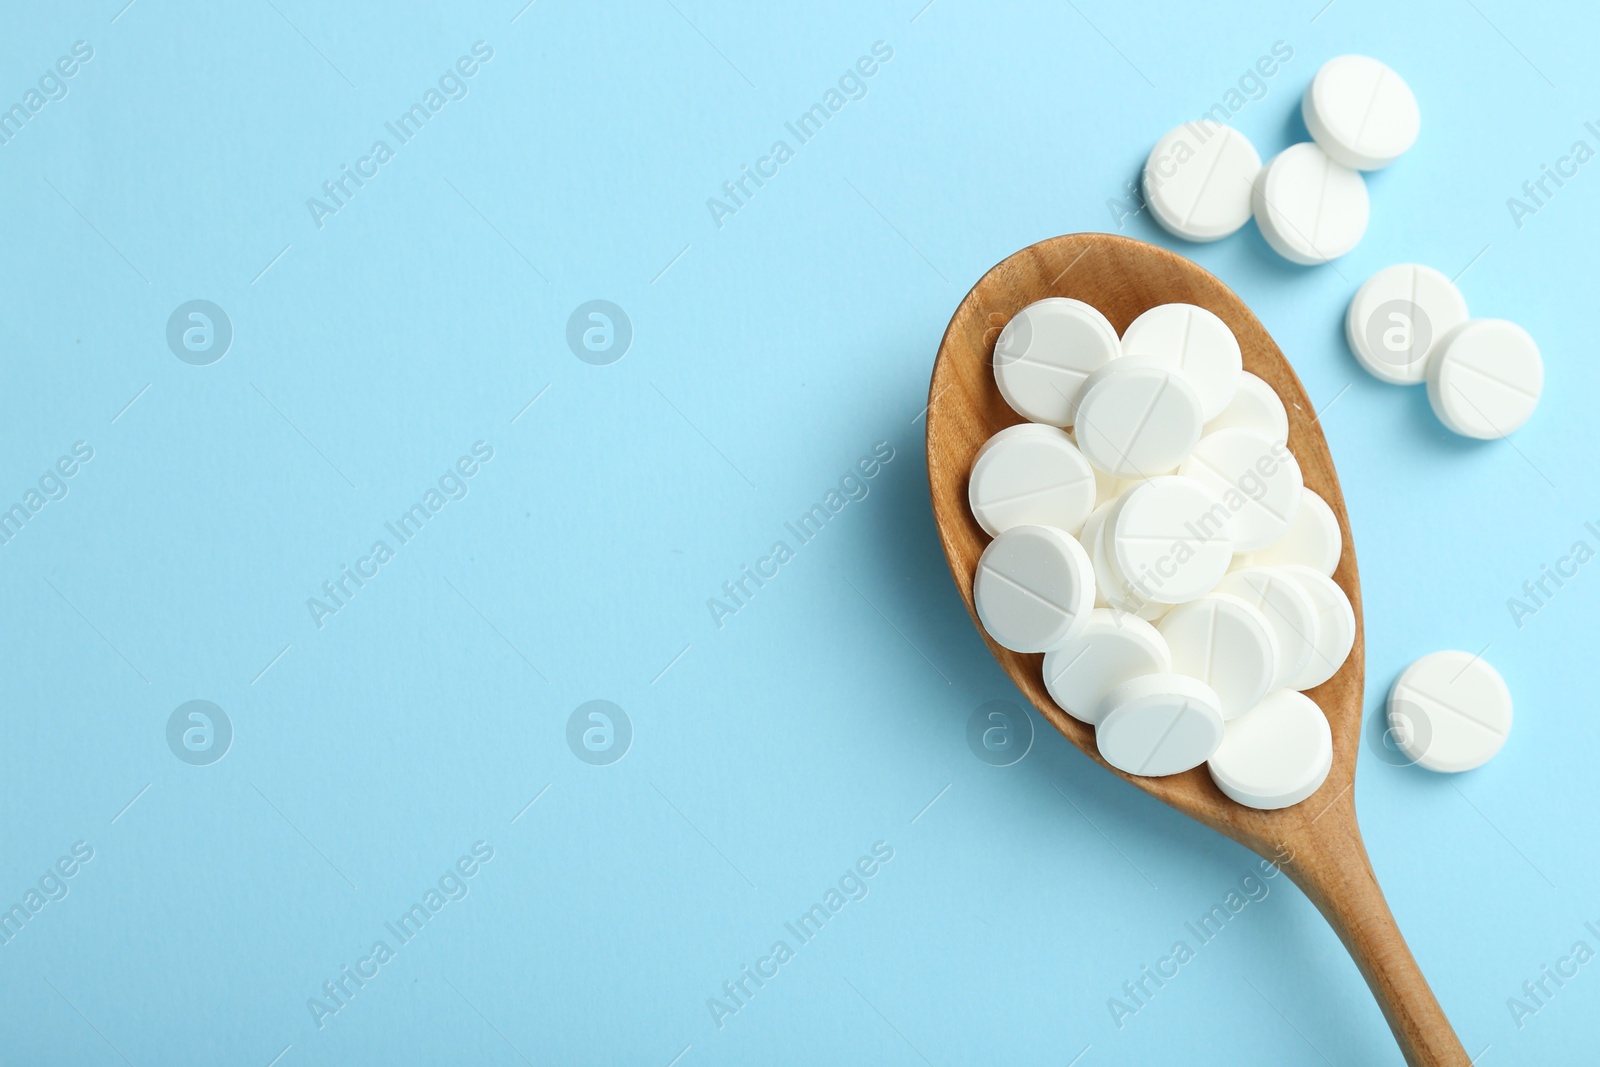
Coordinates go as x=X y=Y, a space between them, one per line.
x=769 y=355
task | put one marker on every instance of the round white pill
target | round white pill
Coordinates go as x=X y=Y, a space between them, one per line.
x=1170 y=539
x=1486 y=378
x=1112 y=590
x=1194 y=341
x=1046 y=351
x=1255 y=406
x=1159 y=724
x=1397 y=317
x=1112 y=648
x=1313 y=540
x=1256 y=478
x=1197 y=180
x=1137 y=417
x=1335 y=632
x=1030 y=475
x=1450 y=711
x=1360 y=112
x=1276 y=754
x=1227 y=644
x=1310 y=209
x=1289 y=611
x=1034 y=588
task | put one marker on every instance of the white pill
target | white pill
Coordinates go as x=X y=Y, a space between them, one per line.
x=1255 y=406
x=1256 y=478
x=1034 y=588
x=1197 y=180
x=1030 y=475
x=1112 y=590
x=1046 y=351
x=1137 y=417
x=1159 y=724
x=1335 y=632
x=1170 y=539
x=1227 y=644
x=1276 y=754
x=1194 y=341
x=1486 y=378
x=1313 y=540
x=1112 y=648
x=1310 y=209
x=1397 y=317
x=1450 y=711
x=1290 y=612
x=1360 y=112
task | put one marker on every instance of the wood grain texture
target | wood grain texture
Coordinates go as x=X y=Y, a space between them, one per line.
x=1317 y=842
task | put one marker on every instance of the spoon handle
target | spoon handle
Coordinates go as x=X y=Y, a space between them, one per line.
x=1330 y=865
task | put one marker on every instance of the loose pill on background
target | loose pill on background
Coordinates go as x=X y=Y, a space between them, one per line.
x=1113 y=647
x=1288 y=608
x=1197 y=180
x=1226 y=643
x=1450 y=711
x=1335 y=633
x=1256 y=477
x=1276 y=754
x=1255 y=406
x=1313 y=540
x=1486 y=378
x=1361 y=112
x=1159 y=724
x=1030 y=475
x=1398 y=316
x=1034 y=588
x=1194 y=341
x=1137 y=417
x=1310 y=208
x=1046 y=351
x=1170 y=538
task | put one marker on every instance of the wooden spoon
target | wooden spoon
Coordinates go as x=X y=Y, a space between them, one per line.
x=1317 y=841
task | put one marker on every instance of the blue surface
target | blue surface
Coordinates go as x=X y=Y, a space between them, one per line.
x=770 y=355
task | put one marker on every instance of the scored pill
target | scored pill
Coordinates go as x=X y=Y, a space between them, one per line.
x=1310 y=208
x=1159 y=724
x=1197 y=180
x=1034 y=588
x=1361 y=112
x=1486 y=378
x=1450 y=711
x=1227 y=644
x=1112 y=648
x=1031 y=475
x=1194 y=341
x=1170 y=538
x=1046 y=351
x=1137 y=417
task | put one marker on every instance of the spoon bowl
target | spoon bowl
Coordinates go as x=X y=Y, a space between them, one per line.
x=1316 y=842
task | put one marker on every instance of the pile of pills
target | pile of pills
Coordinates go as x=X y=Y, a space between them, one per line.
x=1153 y=537
x=1408 y=324
x=1204 y=181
